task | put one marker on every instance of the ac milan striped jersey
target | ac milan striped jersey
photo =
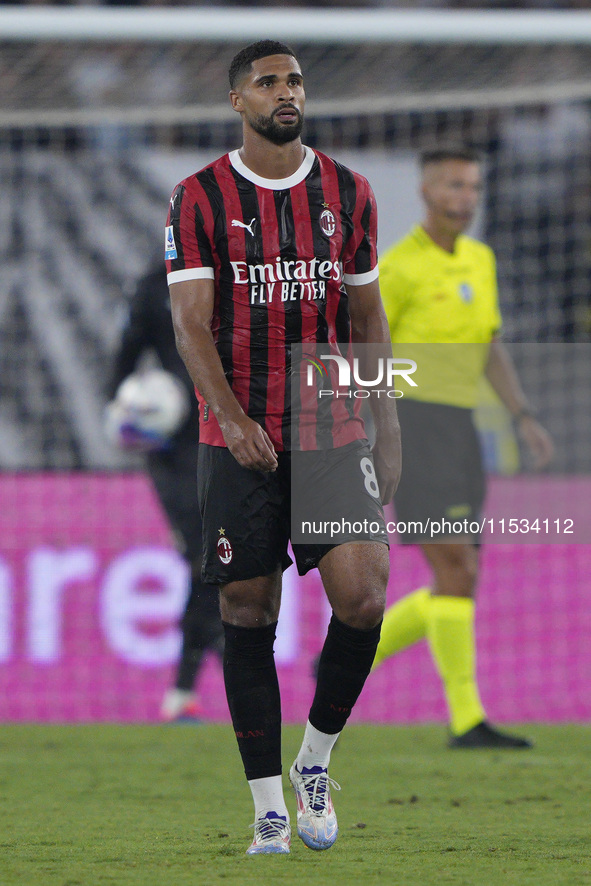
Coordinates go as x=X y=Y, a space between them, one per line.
x=280 y=253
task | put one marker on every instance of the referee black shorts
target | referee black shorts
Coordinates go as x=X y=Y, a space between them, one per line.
x=247 y=515
x=443 y=481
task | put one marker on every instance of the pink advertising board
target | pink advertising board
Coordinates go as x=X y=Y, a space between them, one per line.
x=91 y=589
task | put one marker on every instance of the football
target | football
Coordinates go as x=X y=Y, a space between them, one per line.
x=149 y=407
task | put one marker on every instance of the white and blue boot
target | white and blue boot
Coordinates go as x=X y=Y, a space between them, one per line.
x=272 y=834
x=317 y=820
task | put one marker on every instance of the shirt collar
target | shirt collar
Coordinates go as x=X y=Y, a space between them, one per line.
x=274 y=184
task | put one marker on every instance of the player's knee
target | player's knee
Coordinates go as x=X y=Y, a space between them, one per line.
x=361 y=598
x=363 y=610
x=364 y=616
x=251 y=604
x=252 y=614
x=370 y=613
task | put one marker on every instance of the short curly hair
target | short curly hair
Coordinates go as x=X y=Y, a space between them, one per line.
x=242 y=62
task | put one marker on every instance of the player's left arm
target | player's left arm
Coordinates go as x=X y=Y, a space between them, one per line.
x=369 y=326
x=502 y=375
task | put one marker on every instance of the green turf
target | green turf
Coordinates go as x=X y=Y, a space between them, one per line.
x=157 y=805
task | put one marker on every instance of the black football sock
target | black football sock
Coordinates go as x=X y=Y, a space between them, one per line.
x=252 y=690
x=343 y=667
x=188 y=666
x=202 y=631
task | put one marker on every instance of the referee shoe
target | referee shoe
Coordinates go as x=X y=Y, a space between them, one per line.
x=483 y=735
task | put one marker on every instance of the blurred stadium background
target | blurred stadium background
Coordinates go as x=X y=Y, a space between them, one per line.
x=102 y=111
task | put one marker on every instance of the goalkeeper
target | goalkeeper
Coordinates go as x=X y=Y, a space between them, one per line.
x=440 y=294
x=173 y=469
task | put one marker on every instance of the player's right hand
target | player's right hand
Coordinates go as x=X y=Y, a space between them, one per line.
x=250 y=444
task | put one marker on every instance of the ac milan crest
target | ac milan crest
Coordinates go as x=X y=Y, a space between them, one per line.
x=225 y=551
x=328 y=223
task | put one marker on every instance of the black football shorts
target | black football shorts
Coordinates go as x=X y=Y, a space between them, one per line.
x=443 y=481
x=248 y=516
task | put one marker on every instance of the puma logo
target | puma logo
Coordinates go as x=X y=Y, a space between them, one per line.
x=239 y=224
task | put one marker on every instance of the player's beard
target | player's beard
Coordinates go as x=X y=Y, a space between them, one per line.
x=278 y=133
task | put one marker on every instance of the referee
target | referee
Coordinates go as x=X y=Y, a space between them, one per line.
x=440 y=294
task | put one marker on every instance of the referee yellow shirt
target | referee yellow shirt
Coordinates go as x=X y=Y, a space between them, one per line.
x=443 y=307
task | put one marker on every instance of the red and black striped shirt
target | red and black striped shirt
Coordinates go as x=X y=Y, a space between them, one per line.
x=280 y=253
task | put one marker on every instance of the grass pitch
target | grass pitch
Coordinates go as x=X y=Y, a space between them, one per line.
x=160 y=805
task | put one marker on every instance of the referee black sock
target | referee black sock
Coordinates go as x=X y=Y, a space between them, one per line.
x=252 y=690
x=343 y=667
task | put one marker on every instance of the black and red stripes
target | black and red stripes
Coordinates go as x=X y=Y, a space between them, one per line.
x=280 y=254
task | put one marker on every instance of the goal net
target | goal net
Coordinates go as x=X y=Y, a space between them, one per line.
x=94 y=133
x=97 y=125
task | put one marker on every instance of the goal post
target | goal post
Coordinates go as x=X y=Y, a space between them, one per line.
x=318 y=26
